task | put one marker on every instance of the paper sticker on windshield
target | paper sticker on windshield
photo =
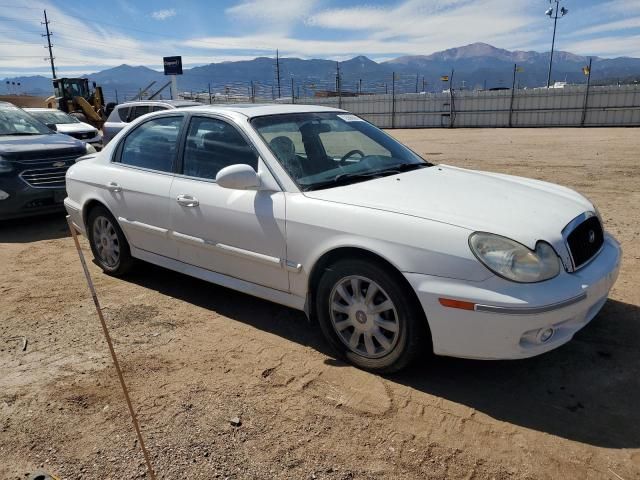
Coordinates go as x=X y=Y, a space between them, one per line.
x=350 y=118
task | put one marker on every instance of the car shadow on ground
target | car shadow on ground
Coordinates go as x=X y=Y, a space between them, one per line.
x=33 y=229
x=587 y=391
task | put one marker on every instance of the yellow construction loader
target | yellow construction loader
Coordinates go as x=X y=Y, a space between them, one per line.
x=74 y=97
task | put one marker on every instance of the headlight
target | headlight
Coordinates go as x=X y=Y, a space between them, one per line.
x=514 y=261
x=5 y=166
x=90 y=148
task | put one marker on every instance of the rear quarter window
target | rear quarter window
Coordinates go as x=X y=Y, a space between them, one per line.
x=119 y=114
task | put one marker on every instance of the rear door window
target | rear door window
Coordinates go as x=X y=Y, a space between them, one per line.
x=153 y=144
x=213 y=144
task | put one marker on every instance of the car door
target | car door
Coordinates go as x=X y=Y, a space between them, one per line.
x=139 y=180
x=240 y=233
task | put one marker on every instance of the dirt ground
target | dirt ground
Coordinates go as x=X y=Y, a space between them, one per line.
x=196 y=355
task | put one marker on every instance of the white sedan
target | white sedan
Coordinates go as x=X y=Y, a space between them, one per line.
x=68 y=124
x=316 y=209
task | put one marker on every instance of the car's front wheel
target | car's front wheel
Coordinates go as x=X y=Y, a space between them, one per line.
x=108 y=243
x=369 y=317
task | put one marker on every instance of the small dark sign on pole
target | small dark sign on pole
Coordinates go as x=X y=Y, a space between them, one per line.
x=172 y=65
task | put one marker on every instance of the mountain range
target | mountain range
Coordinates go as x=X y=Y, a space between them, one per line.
x=478 y=65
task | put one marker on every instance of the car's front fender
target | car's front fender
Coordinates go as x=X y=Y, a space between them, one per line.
x=410 y=244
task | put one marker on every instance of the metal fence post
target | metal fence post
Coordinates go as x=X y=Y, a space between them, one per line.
x=452 y=110
x=338 y=85
x=586 y=96
x=393 y=101
x=513 y=88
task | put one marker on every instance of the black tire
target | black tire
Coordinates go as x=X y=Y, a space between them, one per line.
x=122 y=263
x=412 y=332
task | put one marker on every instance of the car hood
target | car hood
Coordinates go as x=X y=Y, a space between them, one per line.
x=29 y=147
x=515 y=207
x=74 y=127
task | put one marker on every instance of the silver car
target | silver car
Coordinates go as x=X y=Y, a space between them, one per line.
x=127 y=112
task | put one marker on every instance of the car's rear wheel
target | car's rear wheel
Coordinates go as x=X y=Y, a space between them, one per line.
x=108 y=243
x=369 y=317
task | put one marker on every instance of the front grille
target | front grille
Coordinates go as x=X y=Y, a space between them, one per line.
x=40 y=156
x=585 y=241
x=82 y=135
x=45 y=177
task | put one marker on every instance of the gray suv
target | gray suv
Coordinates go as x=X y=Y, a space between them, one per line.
x=126 y=112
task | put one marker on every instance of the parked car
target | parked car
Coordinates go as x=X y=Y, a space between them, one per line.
x=316 y=209
x=127 y=112
x=64 y=123
x=33 y=163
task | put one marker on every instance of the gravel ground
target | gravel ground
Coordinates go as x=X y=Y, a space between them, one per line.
x=196 y=355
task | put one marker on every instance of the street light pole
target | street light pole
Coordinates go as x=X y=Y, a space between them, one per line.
x=553 y=13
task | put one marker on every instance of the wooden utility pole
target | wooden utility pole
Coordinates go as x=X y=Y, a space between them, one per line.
x=48 y=35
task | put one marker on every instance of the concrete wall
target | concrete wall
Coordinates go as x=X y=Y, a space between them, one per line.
x=559 y=107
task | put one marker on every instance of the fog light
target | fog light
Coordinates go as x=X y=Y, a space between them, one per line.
x=545 y=335
x=3 y=195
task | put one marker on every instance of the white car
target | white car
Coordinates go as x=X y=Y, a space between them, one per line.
x=316 y=209
x=69 y=125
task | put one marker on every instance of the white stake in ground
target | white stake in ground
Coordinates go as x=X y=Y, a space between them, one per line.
x=134 y=419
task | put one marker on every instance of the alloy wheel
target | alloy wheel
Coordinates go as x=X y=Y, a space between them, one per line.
x=364 y=316
x=105 y=241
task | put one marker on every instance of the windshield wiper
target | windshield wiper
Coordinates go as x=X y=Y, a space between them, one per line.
x=346 y=178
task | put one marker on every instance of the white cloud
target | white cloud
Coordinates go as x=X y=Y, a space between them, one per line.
x=78 y=45
x=164 y=14
x=413 y=27
x=616 y=26
x=276 y=15
x=408 y=27
x=628 y=46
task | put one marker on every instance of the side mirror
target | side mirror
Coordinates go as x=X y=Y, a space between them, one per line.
x=238 y=177
x=52 y=126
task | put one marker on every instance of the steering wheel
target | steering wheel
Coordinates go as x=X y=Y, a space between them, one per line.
x=344 y=158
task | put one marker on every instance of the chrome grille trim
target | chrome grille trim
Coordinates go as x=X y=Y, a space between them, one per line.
x=569 y=228
x=53 y=177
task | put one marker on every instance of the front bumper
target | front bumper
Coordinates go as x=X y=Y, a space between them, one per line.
x=75 y=213
x=24 y=200
x=509 y=317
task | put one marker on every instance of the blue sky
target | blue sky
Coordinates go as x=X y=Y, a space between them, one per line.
x=91 y=36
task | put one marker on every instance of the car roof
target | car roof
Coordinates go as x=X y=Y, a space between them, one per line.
x=251 y=110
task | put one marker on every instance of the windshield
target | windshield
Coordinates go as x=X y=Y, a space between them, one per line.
x=15 y=121
x=324 y=150
x=54 y=116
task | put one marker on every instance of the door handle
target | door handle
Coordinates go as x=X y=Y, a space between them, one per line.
x=187 y=200
x=114 y=187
